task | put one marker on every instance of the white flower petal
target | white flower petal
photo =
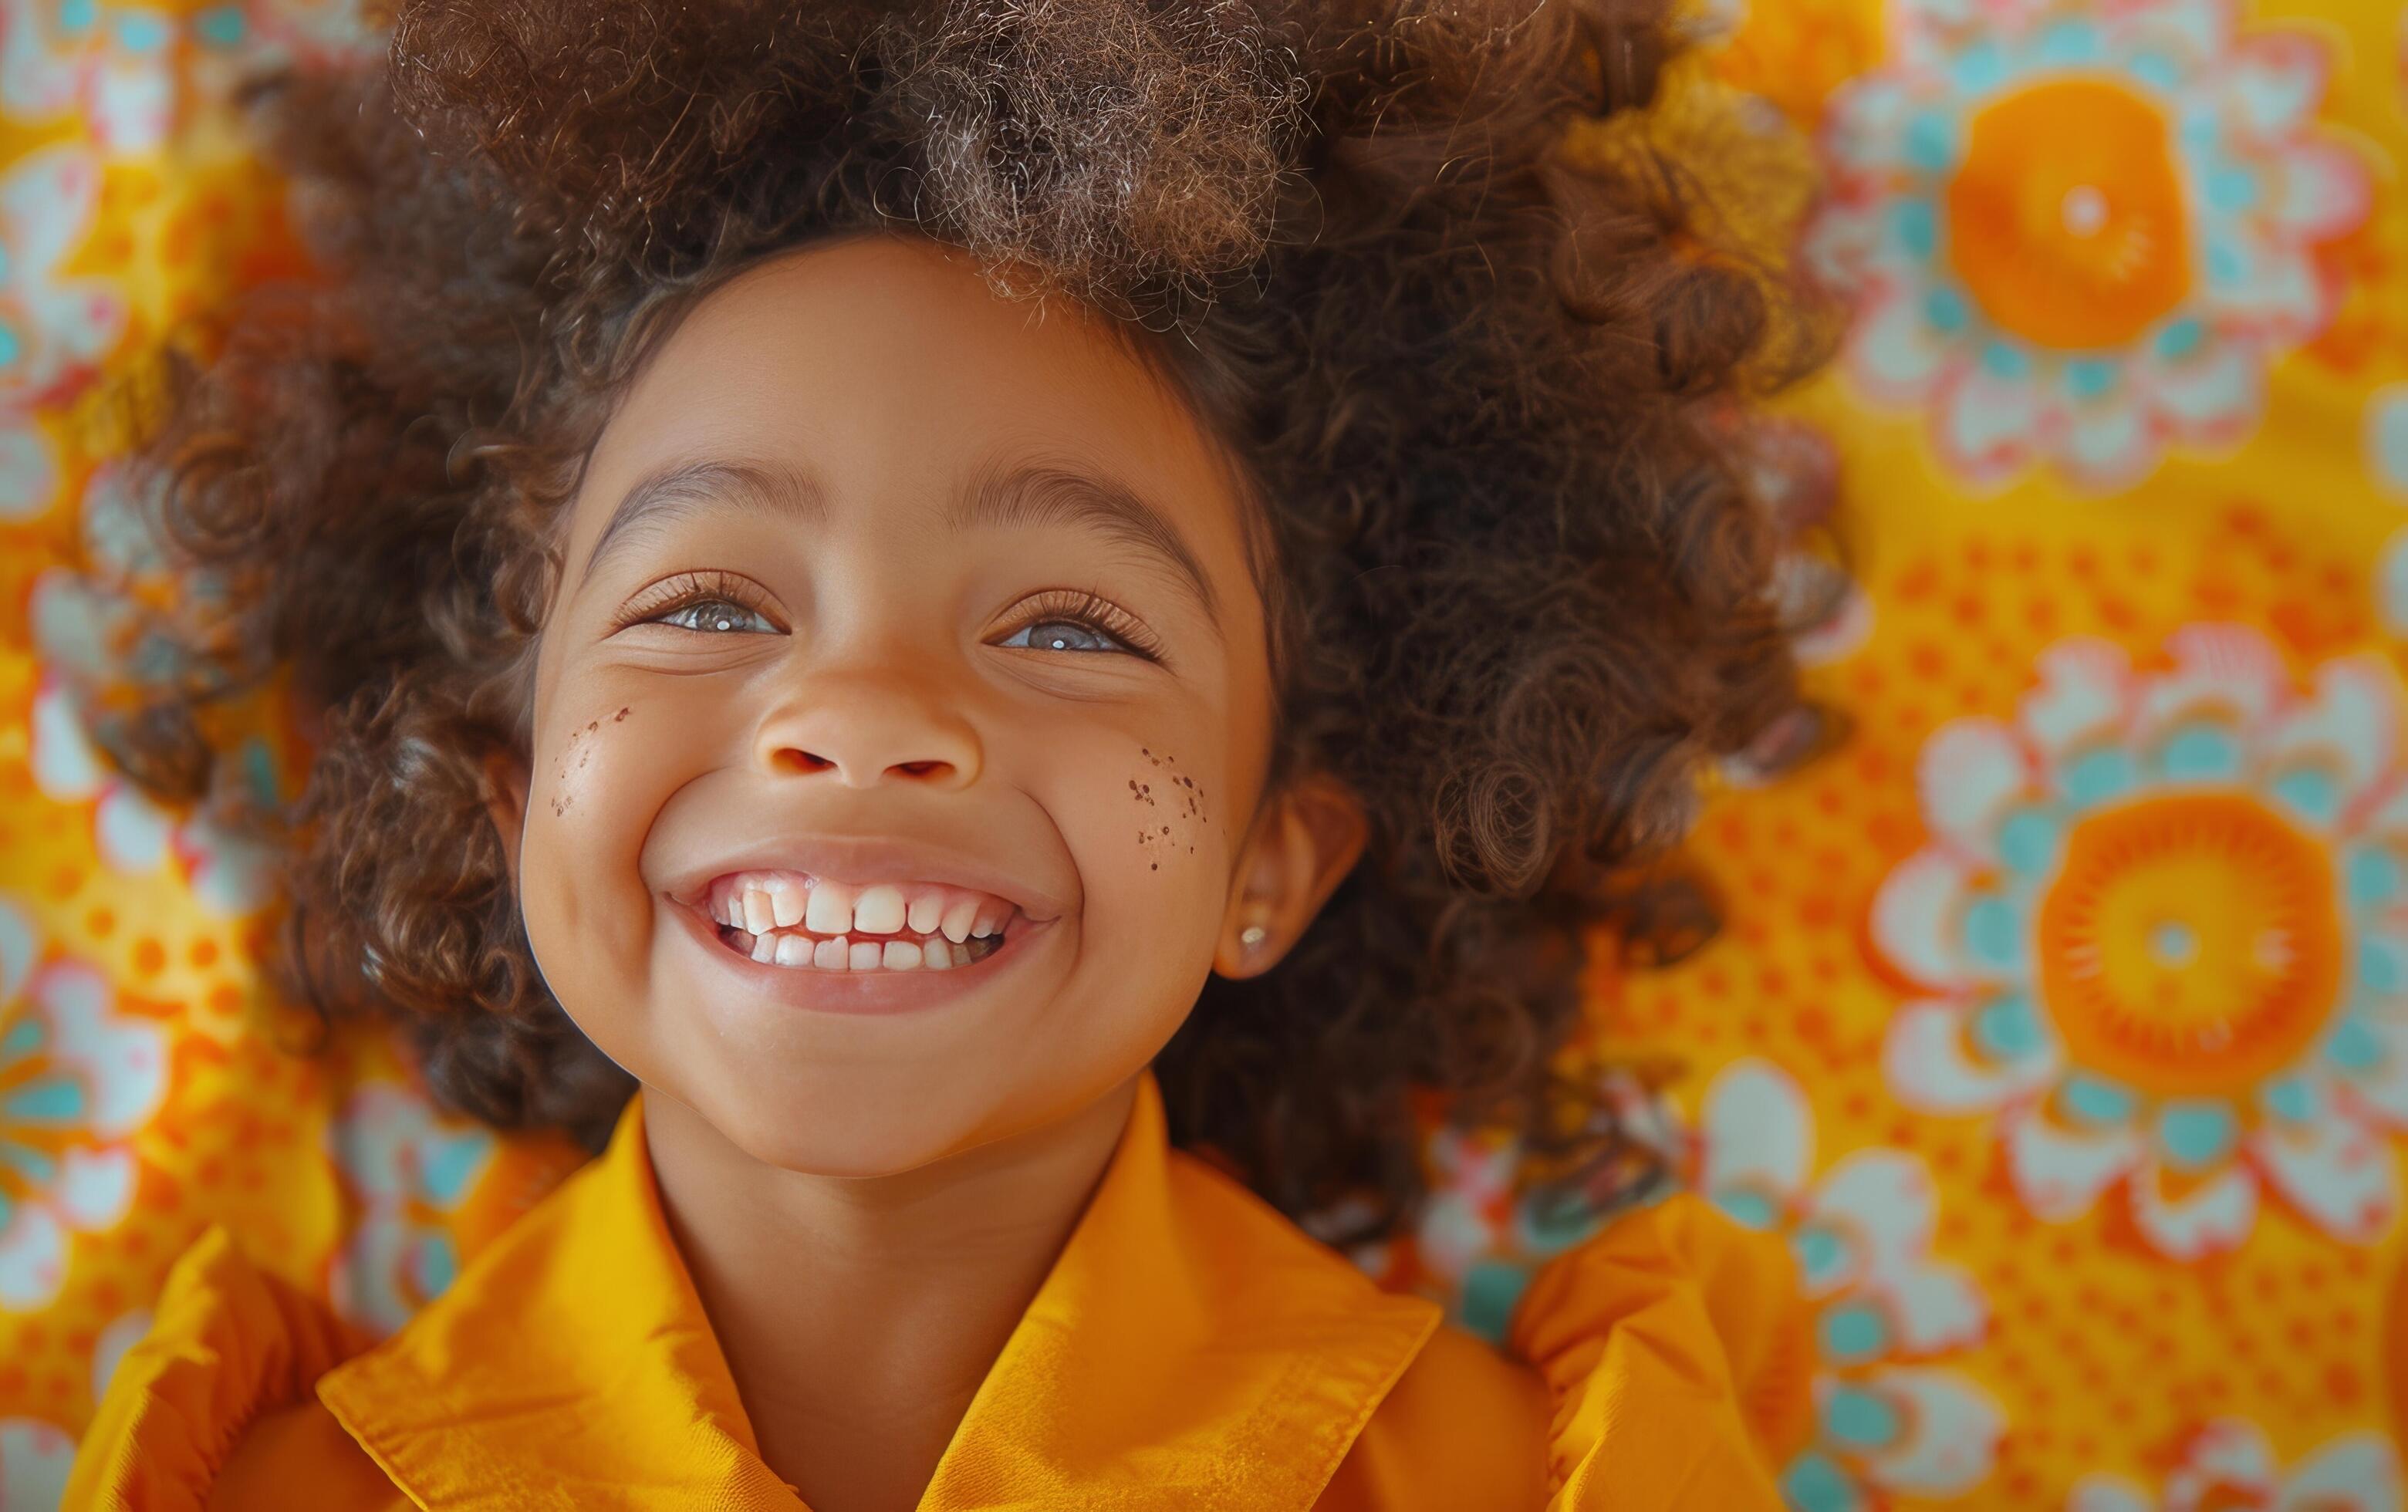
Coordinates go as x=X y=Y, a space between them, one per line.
x=365 y=1283
x=1866 y=127
x=1758 y=1133
x=1451 y=1235
x=2276 y=79
x=231 y=876
x=94 y=1188
x=2391 y=580
x=2358 y=1471
x=65 y=767
x=1986 y=424
x=1882 y=1200
x=2228 y=672
x=369 y=1139
x=2108 y=1493
x=123 y=1333
x=120 y=529
x=2285 y=296
x=1918 y=917
x=1927 y=1061
x=2335 y=1172
x=33 y=1257
x=131 y=832
x=2107 y=440
x=1939 y=1308
x=2083 y=685
x=2212 y=1219
x=27 y=473
x=2233 y=1450
x=2349 y=726
x=121 y=1060
x=1955 y=1432
x=2215 y=397
x=2059 y=1172
x=2323 y=192
x=2382 y=1086
x=1840 y=634
x=2387 y=438
x=75 y=625
x=49 y=199
x=2197 y=31
x=2390 y=815
x=1894 y=353
x=1970 y=770
x=35 y=1456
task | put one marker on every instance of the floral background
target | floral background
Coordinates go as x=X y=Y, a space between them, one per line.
x=2060 y=1023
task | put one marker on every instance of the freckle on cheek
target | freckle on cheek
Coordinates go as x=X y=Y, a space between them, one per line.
x=1183 y=790
x=562 y=804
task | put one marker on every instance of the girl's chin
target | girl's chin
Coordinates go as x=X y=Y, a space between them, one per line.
x=856 y=1125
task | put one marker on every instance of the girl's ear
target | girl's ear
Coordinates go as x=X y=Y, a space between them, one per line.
x=506 y=793
x=1302 y=845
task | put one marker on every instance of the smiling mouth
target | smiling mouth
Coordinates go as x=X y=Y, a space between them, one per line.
x=799 y=950
x=803 y=923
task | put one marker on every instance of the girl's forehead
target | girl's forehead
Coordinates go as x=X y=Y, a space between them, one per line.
x=875 y=360
x=827 y=336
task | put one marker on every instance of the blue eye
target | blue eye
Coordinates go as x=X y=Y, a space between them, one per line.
x=707 y=603
x=1059 y=635
x=710 y=616
x=1062 y=620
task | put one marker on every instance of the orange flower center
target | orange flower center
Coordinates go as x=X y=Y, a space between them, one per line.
x=2066 y=218
x=2192 y=943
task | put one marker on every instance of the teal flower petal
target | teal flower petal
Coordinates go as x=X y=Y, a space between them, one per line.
x=2197 y=1134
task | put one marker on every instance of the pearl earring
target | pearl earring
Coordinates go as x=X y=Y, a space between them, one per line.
x=1252 y=935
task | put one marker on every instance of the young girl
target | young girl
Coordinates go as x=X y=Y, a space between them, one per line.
x=980 y=641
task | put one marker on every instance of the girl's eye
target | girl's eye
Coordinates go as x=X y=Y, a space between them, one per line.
x=1084 y=624
x=1053 y=634
x=709 y=604
x=1060 y=622
x=710 y=616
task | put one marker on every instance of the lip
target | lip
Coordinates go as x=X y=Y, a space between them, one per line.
x=863 y=860
x=862 y=992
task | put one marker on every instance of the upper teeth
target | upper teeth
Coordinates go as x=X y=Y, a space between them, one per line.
x=759 y=902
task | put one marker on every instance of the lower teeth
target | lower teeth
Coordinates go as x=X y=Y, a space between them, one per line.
x=977 y=947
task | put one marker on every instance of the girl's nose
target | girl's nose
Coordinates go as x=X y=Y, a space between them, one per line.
x=863 y=730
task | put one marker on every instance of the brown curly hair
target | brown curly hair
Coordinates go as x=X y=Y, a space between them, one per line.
x=1481 y=376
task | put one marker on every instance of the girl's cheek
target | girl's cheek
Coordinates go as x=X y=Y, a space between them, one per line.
x=598 y=795
x=575 y=756
x=576 y=874
x=1171 y=814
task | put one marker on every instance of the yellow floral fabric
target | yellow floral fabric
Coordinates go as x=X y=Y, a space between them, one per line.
x=2059 y=1026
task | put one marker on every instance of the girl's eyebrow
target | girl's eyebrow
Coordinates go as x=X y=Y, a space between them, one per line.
x=1026 y=496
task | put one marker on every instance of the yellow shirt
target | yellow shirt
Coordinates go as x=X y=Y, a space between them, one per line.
x=1190 y=1348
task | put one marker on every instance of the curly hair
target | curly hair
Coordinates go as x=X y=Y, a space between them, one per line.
x=1478 y=347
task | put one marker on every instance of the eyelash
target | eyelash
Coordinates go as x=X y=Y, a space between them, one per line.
x=1075 y=606
x=1095 y=613
x=685 y=592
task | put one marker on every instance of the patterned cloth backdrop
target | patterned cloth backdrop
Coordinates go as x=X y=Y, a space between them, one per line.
x=2061 y=1018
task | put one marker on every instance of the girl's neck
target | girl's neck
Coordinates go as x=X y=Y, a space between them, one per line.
x=858 y=1316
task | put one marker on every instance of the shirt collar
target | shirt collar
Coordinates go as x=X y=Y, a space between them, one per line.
x=1189 y=1347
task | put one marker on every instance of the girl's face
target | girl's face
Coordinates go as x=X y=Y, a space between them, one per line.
x=875 y=577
